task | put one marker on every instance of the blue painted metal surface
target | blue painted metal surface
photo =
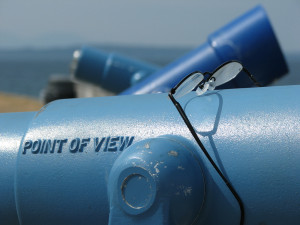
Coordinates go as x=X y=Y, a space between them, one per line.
x=248 y=39
x=155 y=175
x=111 y=71
x=132 y=160
x=12 y=129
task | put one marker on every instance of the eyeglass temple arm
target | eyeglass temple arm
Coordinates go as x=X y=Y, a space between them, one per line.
x=190 y=127
x=252 y=77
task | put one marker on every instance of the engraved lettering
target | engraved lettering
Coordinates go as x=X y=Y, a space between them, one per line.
x=106 y=144
x=84 y=143
x=36 y=146
x=112 y=145
x=98 y=144
x=74 y=146
x=53 y=146
x=125 y=142
x=42 y=148
x=61 y=143
x=27 y=146
x=47 y=146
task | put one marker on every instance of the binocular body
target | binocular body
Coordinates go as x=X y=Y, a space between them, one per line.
x=249 y=39
x=132 y=160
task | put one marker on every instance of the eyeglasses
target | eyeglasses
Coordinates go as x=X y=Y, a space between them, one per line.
x=196 y=80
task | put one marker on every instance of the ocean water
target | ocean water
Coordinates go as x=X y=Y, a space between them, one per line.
x=28 y=77
x=27 y=71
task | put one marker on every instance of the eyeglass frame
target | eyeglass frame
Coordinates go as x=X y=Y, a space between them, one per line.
x=194 y=134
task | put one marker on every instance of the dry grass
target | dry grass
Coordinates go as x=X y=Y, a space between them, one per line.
x=16 y=103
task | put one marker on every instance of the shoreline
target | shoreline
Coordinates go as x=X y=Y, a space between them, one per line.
x=18 y=103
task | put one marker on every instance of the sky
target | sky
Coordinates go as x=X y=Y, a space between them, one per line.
x=48 y=23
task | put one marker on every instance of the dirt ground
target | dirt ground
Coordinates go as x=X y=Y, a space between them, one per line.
x=16 y=103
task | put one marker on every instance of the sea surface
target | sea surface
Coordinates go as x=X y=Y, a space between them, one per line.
x=27 y=71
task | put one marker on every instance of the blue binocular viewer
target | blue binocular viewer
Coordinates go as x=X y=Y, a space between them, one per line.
x=249 y=39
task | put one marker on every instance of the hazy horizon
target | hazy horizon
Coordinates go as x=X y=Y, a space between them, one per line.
x=47 y=24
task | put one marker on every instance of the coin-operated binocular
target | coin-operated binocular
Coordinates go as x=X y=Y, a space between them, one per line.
x=249 y=39
x=187 y=157
x=113 y=72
